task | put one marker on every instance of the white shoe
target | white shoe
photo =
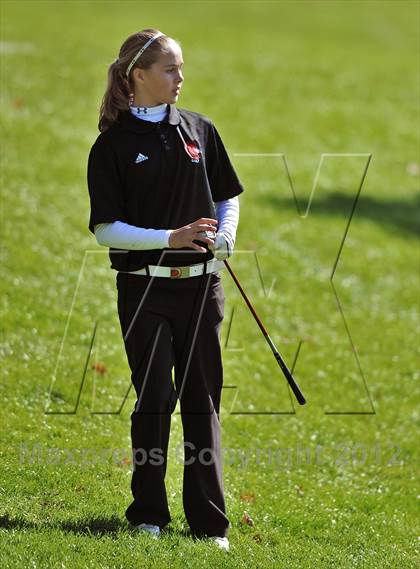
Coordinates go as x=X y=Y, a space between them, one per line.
x=222 y=542
x=150 y=528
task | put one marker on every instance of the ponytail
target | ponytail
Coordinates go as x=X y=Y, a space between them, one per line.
x=116 y=97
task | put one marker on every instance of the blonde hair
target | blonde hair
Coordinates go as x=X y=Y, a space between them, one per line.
x=116 y=97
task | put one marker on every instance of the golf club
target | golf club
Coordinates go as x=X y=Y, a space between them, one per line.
x=287 y=374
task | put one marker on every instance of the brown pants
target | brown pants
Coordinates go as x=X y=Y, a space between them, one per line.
x=175 y=323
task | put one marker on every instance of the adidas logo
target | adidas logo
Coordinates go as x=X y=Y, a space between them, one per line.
x=141 y=158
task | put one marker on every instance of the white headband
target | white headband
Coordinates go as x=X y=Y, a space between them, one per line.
x=135 y=58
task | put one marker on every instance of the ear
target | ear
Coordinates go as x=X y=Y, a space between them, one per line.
x=138 y=74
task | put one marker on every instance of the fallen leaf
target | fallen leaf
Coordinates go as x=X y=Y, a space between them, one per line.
x=99 y=367
x=299 y=490
x=246 y=519
x=413 y=169
x=248 y=497
x=124 y=461
x=18 y=103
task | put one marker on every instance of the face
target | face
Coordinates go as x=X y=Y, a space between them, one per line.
x=161 y=83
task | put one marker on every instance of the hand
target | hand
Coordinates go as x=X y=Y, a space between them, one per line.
x=220 y=248
x=185 y=236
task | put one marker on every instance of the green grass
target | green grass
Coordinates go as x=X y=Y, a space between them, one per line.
x=298 y=78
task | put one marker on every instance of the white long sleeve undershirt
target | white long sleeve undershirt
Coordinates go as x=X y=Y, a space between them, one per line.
x=121 y=235
x=227 y=213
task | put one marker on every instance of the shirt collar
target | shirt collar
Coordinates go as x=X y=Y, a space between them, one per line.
x=148 y=113
x=128 y=121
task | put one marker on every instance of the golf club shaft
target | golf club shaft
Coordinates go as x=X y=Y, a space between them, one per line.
x=286 y=372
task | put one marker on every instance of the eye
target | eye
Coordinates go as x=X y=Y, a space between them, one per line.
x=172 y=69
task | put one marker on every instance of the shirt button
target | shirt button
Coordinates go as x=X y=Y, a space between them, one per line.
x=167 y=147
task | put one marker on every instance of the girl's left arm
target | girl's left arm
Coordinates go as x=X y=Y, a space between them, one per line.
x=227 y=213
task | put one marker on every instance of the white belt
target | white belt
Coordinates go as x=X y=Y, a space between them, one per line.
x=180 y=272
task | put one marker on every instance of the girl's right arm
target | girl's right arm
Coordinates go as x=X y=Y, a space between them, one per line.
x=121 y=235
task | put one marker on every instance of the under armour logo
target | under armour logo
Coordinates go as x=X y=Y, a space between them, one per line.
x=141 y=158
x=142 y=110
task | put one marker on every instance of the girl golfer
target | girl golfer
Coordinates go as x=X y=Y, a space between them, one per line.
x=163 y=196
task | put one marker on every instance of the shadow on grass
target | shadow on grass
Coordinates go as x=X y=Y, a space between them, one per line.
x=402 y=216
x=96 y=527
x=88 y=526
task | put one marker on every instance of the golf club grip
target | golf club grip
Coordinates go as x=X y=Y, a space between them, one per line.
x=294 y=386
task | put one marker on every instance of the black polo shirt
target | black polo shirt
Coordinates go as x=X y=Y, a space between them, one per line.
x=144 y=174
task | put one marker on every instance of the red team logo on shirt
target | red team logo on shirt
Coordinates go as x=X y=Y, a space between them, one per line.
x=193 y=150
